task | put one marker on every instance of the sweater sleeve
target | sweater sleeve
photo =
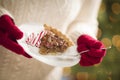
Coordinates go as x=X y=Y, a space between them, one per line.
x=5 y=12
x=86 y=21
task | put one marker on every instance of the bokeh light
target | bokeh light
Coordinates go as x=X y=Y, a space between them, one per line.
x=109 y=34
x=106 y=42
x=82 y=76
x=116 y=8
x=115 y=40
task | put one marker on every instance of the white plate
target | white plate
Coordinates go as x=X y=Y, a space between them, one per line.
x=64 y=60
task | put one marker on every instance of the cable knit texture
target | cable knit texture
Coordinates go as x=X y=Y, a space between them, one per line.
x=57 y=13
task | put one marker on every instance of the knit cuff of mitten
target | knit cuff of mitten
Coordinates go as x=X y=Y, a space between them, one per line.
x=80 y=28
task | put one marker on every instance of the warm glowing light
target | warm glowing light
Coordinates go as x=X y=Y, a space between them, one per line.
x=82 y=76
x=106 y=42
x=116 y=8
x=115 y=40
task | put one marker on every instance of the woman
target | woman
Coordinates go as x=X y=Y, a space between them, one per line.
x=69 y=16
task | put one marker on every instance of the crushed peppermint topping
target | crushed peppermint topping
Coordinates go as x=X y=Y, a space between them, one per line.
x=34 y=39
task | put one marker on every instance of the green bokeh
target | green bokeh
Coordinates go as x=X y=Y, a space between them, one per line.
x=109 y=23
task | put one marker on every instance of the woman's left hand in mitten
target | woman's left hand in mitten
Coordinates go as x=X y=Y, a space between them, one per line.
x=9 y=34
x=91 y=50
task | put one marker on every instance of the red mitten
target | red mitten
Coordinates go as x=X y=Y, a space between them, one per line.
x=9 y=33
x=95 y=50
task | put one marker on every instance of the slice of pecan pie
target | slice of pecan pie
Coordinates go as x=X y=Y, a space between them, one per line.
x=54 y=41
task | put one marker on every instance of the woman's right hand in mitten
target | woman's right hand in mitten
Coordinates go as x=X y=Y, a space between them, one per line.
x=9 y=34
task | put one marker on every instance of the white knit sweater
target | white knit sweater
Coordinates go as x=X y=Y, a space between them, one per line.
x=69 y=16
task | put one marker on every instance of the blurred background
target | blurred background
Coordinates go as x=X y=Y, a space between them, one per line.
x=109 y=34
